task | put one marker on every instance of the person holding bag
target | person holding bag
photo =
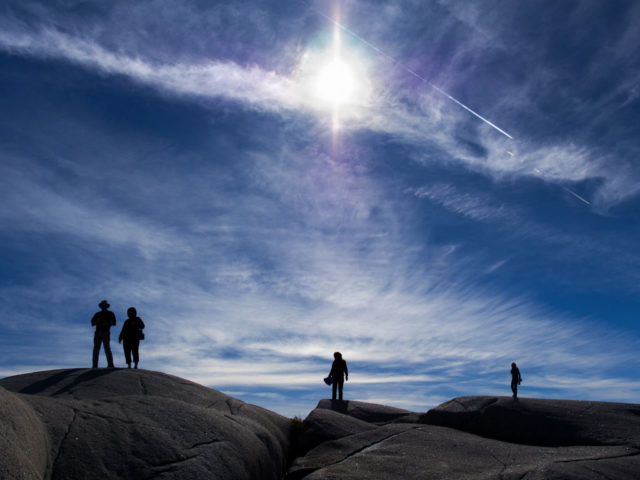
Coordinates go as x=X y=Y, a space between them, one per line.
x=131 y=335
x=338 y=374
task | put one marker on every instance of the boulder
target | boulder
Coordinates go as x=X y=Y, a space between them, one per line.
x=541 y=422
x=23 y=440
x=401 y=449
x=415 y=452
x=367 y=412
x=131 y=424
x=323 y=424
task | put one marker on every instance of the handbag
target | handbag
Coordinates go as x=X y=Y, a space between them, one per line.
x=328 y=380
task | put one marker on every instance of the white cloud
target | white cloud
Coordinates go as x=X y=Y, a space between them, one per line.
x=433 y=123
x=310 y=258
x=33 y=207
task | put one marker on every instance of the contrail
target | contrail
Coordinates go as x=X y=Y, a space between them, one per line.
x=576 y=195
x=418 y=76
x=568 y=190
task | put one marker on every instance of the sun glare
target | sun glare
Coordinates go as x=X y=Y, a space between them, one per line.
x=336 y=82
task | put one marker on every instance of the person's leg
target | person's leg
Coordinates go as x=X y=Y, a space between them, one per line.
x=127 y=352
x=514 y=389
x=340 y=387
x=134 y=348
x=107 y=349
x=334 y=386
x=97 y=340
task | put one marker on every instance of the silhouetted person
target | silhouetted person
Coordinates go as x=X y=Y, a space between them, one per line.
x=131 y=334
x=103 y=321
x=339 y=373
x=516 y=379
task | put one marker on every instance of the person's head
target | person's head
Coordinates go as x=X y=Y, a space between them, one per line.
x=104 y=305
x=131 y=312
x=337 y=355
x=513 y=364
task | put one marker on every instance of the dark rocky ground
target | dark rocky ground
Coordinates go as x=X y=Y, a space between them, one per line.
x=471 y=438
x=133 y=424
x=126 y=424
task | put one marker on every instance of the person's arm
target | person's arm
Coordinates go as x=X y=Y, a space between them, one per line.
x=346 y=371
x=141 y=323
x=122 y=332
x=113 y=319
x=93 y=319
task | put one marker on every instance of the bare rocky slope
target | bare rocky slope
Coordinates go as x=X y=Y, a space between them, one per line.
x=471 y=438
x=133 y=424
x=137 y=424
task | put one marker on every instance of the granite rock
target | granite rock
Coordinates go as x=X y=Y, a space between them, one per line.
x=400 y=449
x=137 y=424
x=23 y=440
x=540 y=421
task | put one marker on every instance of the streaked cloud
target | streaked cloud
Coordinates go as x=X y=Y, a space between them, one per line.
x=433 y=123
x=255 y=242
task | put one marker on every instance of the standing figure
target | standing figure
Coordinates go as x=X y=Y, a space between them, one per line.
x=131 y=334
x=516 y=379
x=103 y=321
x=339 y=373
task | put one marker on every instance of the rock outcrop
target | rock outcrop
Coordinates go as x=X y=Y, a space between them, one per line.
x=473 y=438
x=133 y=424
x=137 y=424
x=533 y=421
x=23 y=440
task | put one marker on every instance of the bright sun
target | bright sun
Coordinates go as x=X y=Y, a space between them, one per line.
x=336 y=83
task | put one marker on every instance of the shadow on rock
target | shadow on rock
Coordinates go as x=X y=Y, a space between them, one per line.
x=540 y=422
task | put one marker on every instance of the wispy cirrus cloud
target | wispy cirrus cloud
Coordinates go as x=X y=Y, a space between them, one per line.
x=421 y=117
x=231 y=321
x=254 y=247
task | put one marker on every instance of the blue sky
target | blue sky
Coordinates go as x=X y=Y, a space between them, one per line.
x=192 y=159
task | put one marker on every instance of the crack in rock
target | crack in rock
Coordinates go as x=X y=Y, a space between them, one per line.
x=142 y=386
x=125 y=421
x=61 y=445
x=464 y=407
x=171 y=465
x=525 y=475
x=606 y=477
x=504 y=466
x=578 y=460
x=371 y=445
x=597 y=459
x=202 y=444
x=304 y=472
x=233 y=419
x=233 y=411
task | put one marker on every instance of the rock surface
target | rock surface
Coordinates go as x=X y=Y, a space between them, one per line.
x=367 y=412
x=134 y=424
x=137 y=424
x=598 y=440
x=541 y=422
x=23 y=440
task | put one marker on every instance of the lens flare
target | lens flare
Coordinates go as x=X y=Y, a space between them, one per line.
x=336 y=82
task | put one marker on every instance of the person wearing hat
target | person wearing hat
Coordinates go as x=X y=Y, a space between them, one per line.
x=103 y=321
